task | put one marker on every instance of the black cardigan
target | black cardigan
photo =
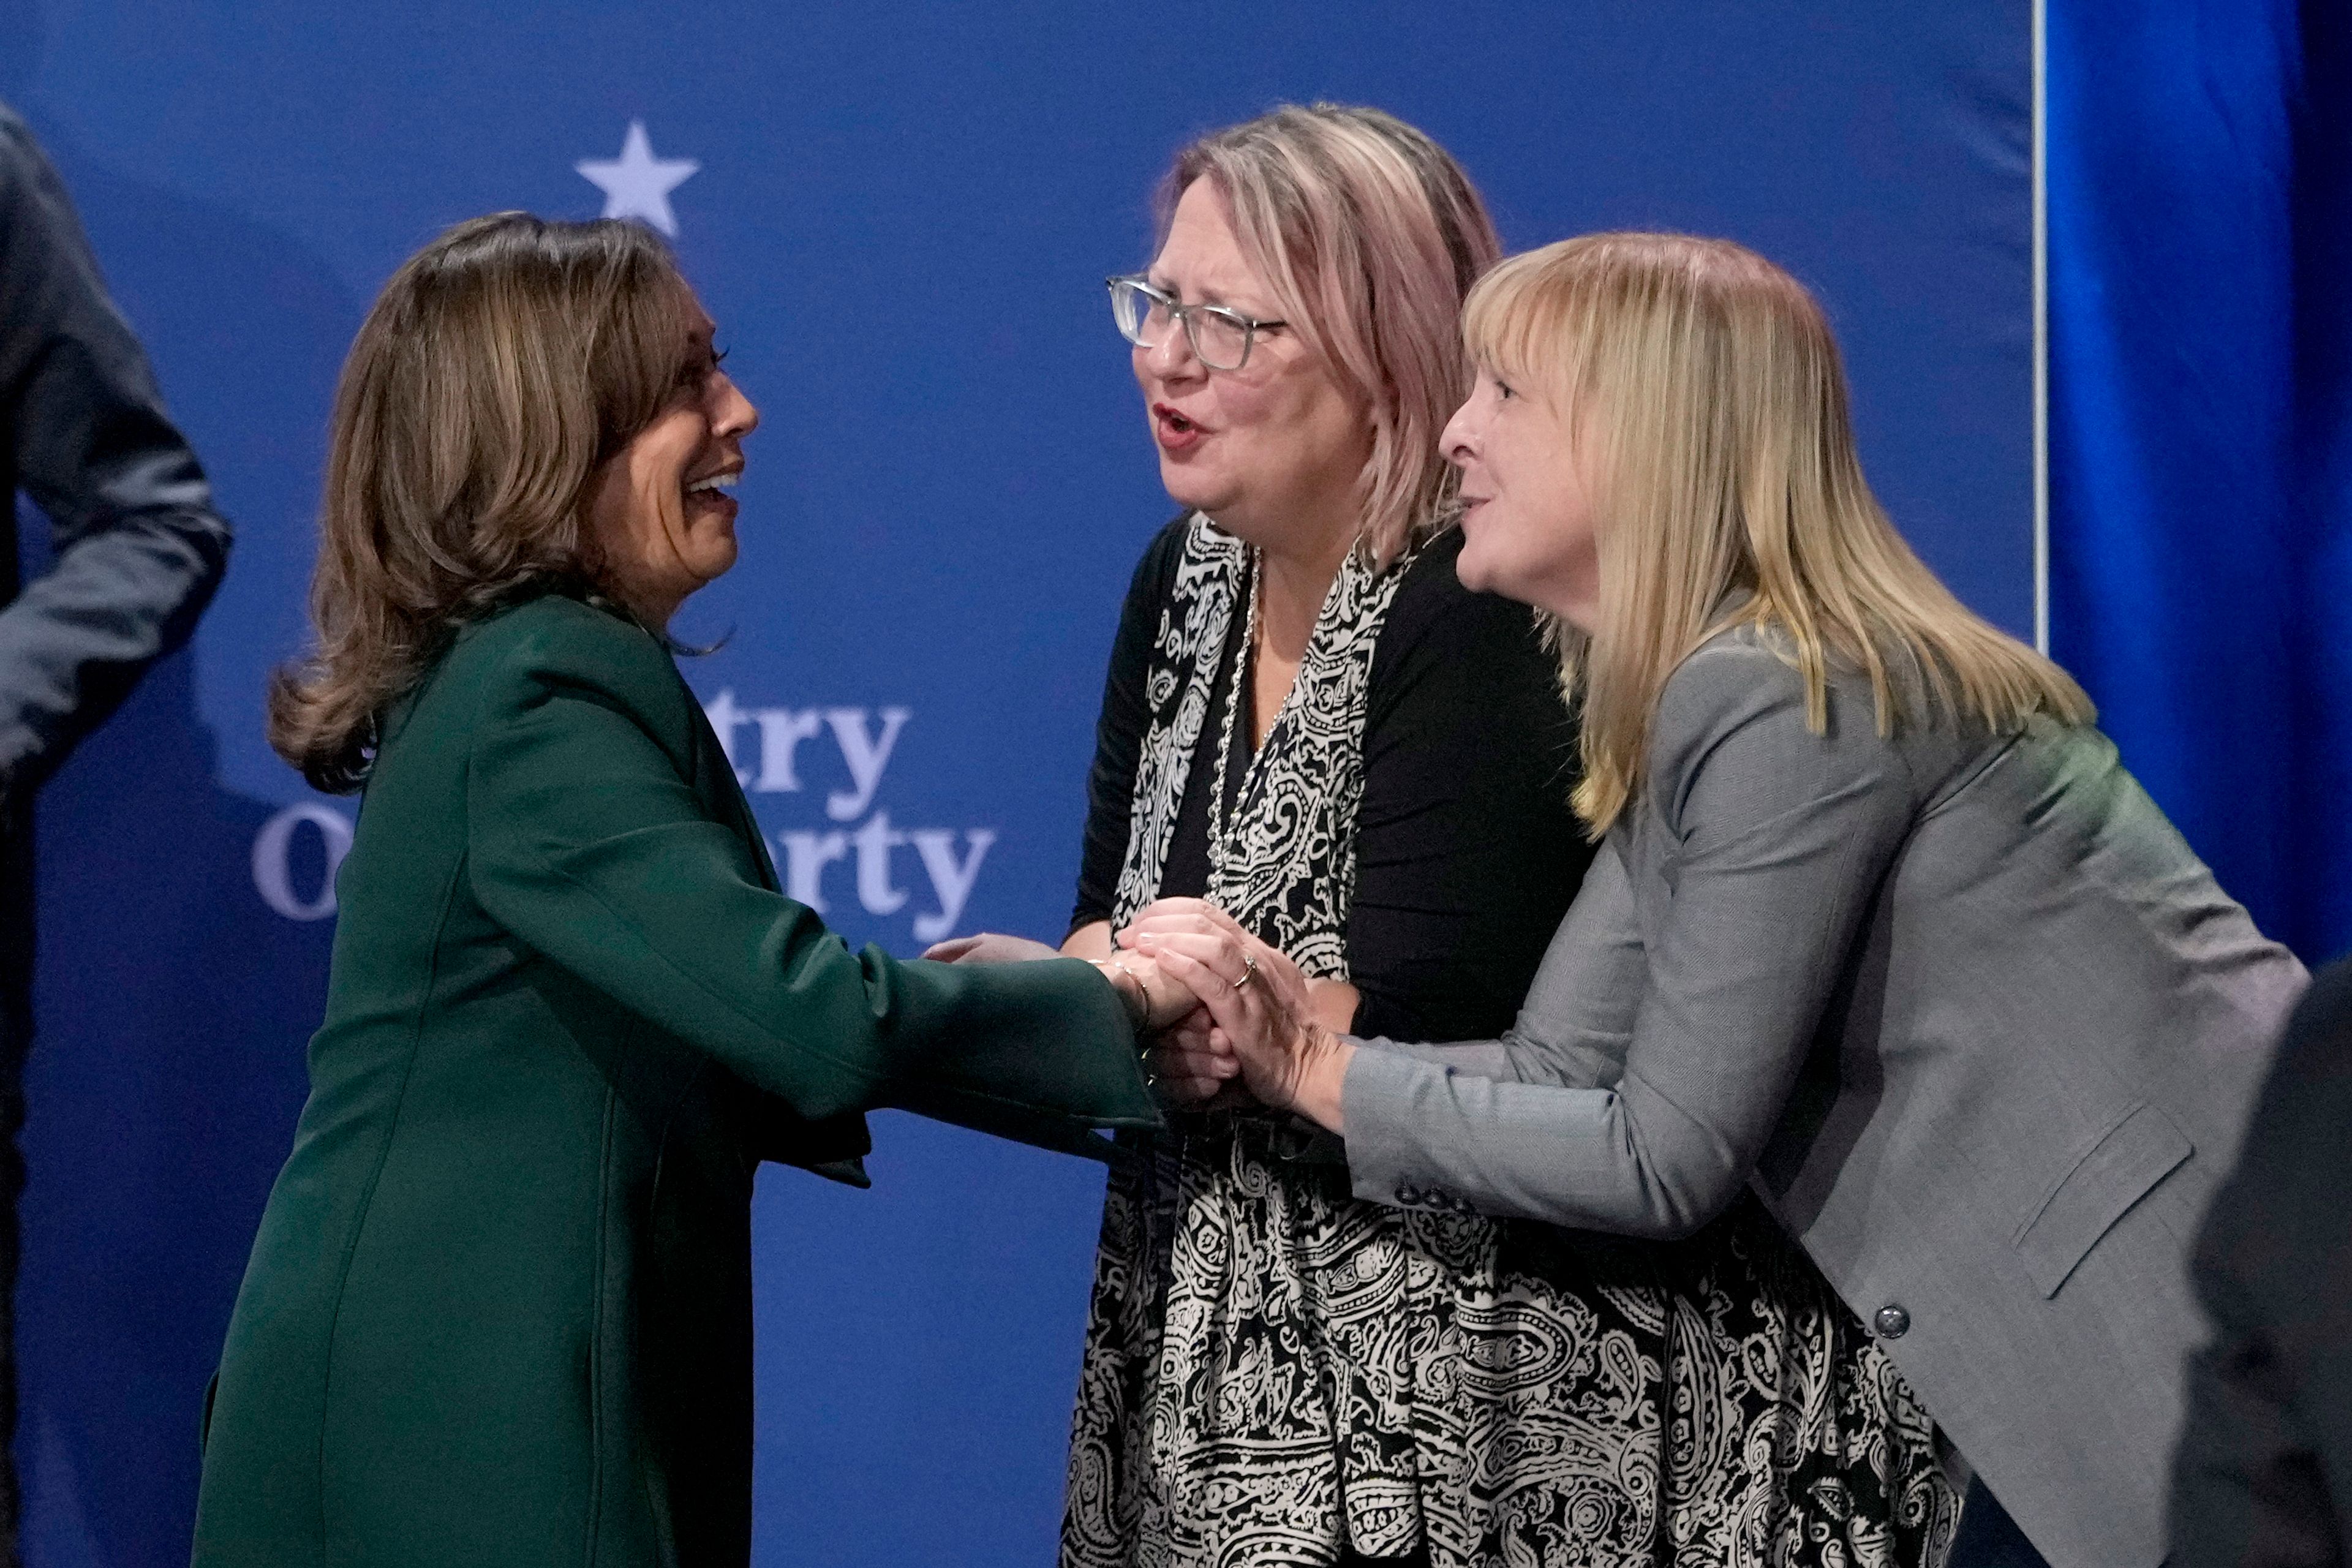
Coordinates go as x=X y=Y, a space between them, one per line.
x=1467 y=853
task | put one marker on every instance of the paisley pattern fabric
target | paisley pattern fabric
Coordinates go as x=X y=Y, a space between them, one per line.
x=1277 y=1372
x=1286 y=865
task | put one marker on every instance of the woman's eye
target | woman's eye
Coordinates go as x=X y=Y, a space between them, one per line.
x=1503 y=390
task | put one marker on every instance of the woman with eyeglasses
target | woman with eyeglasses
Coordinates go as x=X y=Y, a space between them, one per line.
x=1311 y=723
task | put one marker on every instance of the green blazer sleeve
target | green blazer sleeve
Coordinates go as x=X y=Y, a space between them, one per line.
x=591 y=840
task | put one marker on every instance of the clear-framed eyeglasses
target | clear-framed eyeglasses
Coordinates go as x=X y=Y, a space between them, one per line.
x=1221 y=337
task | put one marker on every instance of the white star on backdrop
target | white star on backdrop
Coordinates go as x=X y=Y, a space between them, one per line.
x=636 y=184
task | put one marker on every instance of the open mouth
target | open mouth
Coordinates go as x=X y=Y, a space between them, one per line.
x=1172 y=428
x=715 y=486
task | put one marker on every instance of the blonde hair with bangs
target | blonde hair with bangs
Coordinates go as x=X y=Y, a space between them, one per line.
x=1705 y=385
x=1370 y=236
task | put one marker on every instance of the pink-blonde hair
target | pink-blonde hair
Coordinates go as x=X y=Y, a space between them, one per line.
x=1370 y=236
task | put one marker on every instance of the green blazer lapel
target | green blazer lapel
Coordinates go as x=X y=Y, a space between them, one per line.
x=714 y=778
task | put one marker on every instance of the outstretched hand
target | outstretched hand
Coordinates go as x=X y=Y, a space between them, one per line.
x=1154 y=1003
x=1213 y=1047
x=989 y=947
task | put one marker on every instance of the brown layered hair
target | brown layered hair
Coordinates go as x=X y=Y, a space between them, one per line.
x=1370 y=236
x=1703 y=388
x=501 y=365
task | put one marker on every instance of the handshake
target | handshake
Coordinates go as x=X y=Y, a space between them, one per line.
x=1226 y=1017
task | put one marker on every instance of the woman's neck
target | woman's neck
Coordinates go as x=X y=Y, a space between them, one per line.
x=653 y=612
x=1295 y=579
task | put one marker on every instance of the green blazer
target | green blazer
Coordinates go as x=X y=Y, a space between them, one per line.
x=499 y=1309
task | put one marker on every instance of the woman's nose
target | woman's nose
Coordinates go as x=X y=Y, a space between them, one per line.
x=1454 y=441
x=734 y=415
x=1172 y=358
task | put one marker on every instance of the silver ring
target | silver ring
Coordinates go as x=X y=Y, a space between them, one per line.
x=1249 y=971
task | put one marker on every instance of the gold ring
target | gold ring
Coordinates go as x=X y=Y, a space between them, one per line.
x=1249 y=971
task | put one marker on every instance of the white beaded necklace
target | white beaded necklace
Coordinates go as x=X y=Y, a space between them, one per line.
x=1219 y=822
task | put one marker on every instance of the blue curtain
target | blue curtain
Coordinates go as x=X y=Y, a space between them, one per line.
x=2200 y=310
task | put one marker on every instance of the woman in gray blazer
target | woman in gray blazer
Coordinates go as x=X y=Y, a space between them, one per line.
x=1879 y=926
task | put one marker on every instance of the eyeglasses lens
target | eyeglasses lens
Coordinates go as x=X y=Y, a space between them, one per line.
x=1143 y=320
x=1222 y=341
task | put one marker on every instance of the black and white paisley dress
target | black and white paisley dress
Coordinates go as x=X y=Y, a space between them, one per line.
x=1280 y=1375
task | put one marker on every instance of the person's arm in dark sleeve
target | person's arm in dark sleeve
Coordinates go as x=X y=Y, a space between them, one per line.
x=139 y=549
x=1125 y=720
x=2263 y=1477
x=1466 y=852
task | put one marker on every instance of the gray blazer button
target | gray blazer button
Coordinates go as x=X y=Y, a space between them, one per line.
x=1408 y=1194
x=1894 y=1322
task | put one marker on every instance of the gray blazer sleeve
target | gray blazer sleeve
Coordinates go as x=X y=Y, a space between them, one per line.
x=1778 y=839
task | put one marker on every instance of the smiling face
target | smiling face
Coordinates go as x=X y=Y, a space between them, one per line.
x=659 y=509
x=1269 y=449
x=1526 y=501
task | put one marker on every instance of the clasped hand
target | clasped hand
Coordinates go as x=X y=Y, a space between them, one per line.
x=1255 y=1024
x=1231 y=1014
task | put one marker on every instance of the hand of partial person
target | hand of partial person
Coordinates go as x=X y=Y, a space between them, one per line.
x=989 y=947
x=1285 y=1058
x=1192 y=1071
x=1157 y=1002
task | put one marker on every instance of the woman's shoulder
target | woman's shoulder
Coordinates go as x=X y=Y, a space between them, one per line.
x=554 y=627
x=1747 y=673
x=553 y=641
x=1740 y=674
x=1741 y=657
x=1742 y=687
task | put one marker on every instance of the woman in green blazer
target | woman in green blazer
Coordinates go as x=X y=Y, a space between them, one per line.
x=499 y=1311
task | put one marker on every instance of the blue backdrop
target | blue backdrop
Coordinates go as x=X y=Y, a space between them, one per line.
x=900 y=214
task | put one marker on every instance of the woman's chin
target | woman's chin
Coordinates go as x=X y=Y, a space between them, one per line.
x=1188 y=485
x=1478 y=574
x=1481 y=575
x=710 y=563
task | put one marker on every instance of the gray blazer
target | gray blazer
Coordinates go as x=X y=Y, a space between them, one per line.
x=1966 y=1011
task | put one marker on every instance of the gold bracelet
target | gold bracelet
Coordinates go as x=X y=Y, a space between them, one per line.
x=1138 y=1012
